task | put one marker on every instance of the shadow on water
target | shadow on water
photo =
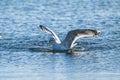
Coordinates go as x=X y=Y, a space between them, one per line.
x=77 y=49
x=34 y=45
x=26 y=52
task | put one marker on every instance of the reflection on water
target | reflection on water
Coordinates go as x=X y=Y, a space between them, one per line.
x=25 y=51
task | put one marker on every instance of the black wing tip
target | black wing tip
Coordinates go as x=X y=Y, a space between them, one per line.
x=97 y=32
x=41 y=27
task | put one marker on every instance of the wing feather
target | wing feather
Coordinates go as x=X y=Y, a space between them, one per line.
x=50 y=32
x=74 y=35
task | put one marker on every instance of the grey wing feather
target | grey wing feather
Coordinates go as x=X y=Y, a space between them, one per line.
x=74 y=35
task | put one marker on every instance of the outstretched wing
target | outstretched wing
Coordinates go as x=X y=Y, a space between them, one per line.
x=50 y=32
x=73 y=35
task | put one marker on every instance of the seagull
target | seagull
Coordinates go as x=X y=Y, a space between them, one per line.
x=72 y=36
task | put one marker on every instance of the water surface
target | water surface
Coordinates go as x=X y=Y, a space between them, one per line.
x=19 y=21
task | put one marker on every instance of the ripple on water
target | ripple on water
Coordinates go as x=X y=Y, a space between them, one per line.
x=19 y=28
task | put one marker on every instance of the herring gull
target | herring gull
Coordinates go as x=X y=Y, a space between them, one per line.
x=72 y=36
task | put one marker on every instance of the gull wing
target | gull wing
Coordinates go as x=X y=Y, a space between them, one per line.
x=43 y=28
x=74 y=35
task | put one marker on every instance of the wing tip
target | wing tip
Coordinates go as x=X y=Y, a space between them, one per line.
x=98 y=31
x=41 y=27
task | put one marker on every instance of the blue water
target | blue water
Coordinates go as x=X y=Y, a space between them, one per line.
x=19 y=21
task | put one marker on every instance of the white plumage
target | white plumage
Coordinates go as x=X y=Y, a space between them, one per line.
x=72 y=36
